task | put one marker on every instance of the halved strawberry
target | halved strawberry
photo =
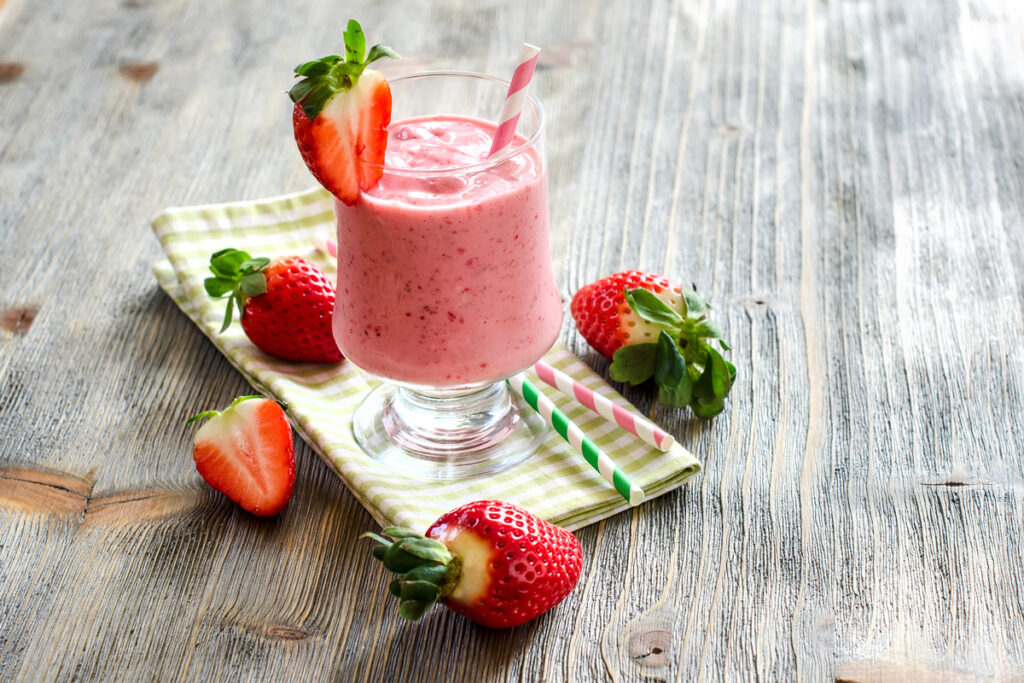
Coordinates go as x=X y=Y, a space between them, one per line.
x=489 y=561
x=341 y=115
x=246 y=453
x=652 y=327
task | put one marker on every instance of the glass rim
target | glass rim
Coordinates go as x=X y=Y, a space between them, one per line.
x=479 y=165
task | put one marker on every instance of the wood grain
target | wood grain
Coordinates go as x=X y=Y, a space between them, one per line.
x=843 y=179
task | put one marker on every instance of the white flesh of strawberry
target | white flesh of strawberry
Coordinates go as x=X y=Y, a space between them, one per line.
x=347 y=108
x=229 y=433
x=475 y=554
x=639 y=331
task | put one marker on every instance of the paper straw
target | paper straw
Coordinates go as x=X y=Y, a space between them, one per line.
x=514 y=100
x=326 y=245
x=576 y=438
x=636 y=425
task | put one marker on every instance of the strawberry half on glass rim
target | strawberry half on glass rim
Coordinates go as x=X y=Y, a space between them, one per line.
x=341 y=116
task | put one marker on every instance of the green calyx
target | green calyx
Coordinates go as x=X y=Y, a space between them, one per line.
x=236 y=277
x=214 y=413
x=426 y=571
x=322 y=78
x=686 y=367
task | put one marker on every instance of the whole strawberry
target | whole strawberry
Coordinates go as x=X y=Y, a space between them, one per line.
x=650 y=326
x=246 y=453
x=341 y=115
x=285 y=305
x=489 y=561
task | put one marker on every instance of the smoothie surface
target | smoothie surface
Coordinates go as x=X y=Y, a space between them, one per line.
x=454 y=146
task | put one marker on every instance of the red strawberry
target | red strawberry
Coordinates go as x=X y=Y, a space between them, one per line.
x=652 y=327
x=341 y=115
x=605 y=318
x=489 y=561
x=286 y=305
x=246 y=453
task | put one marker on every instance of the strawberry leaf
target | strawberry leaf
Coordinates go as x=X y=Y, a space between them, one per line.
x=253 y=284
x=227 y=315
x=313 y=103
x=301 y=90
x=217 y=287
x=707 y=328
x=380 y=52
x=695 y=305
x=633 y=364
x=652 y=309
x=317 y=67
x=669 y=365
x=228 y=262
x=713 y=386
x=355 y=42
x=680 y=395
x=419 y=591
x=436 y=573
x=721 y=374
x=426 y=549
x=705 y=408
x=399 y=561
x=253 y=265
x=414 y=609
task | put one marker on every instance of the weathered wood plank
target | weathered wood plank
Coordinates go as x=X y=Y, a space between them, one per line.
x=843 y=179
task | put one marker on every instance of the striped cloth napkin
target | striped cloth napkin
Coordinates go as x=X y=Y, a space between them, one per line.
x=555 y=483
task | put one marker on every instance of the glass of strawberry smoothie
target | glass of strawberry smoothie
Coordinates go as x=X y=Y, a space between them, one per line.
x=445 y=283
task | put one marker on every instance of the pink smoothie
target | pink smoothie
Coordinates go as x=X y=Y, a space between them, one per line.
x=445 y=278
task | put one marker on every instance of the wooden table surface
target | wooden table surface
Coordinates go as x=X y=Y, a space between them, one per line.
x=844 y=179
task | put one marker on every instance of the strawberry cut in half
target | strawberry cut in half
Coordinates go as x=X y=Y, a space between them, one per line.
x=246 y=452
x=490 y=561
x=650 y=326
x=341 y=115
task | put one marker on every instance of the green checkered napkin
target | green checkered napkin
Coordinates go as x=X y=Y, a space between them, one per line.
x=555 y=483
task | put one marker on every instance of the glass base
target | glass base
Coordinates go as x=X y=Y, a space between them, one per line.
x=447 y=434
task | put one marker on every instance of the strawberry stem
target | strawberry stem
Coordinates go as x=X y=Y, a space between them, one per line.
x=323 y=78
x=214 y=413
x=686 y=368
x=426 y=571
x=236 y=276
x=203 y=415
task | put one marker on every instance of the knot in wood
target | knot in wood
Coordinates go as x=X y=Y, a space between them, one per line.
x=18 y=320
x=139 y=71
x=286 y=633
x=651 y=648
x=9 y=71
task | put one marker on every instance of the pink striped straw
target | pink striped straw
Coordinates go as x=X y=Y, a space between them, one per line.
x=634 y=424
x=326 y=245
x=514 y=100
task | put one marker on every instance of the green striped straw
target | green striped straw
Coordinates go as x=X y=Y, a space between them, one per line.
x=568 y=430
